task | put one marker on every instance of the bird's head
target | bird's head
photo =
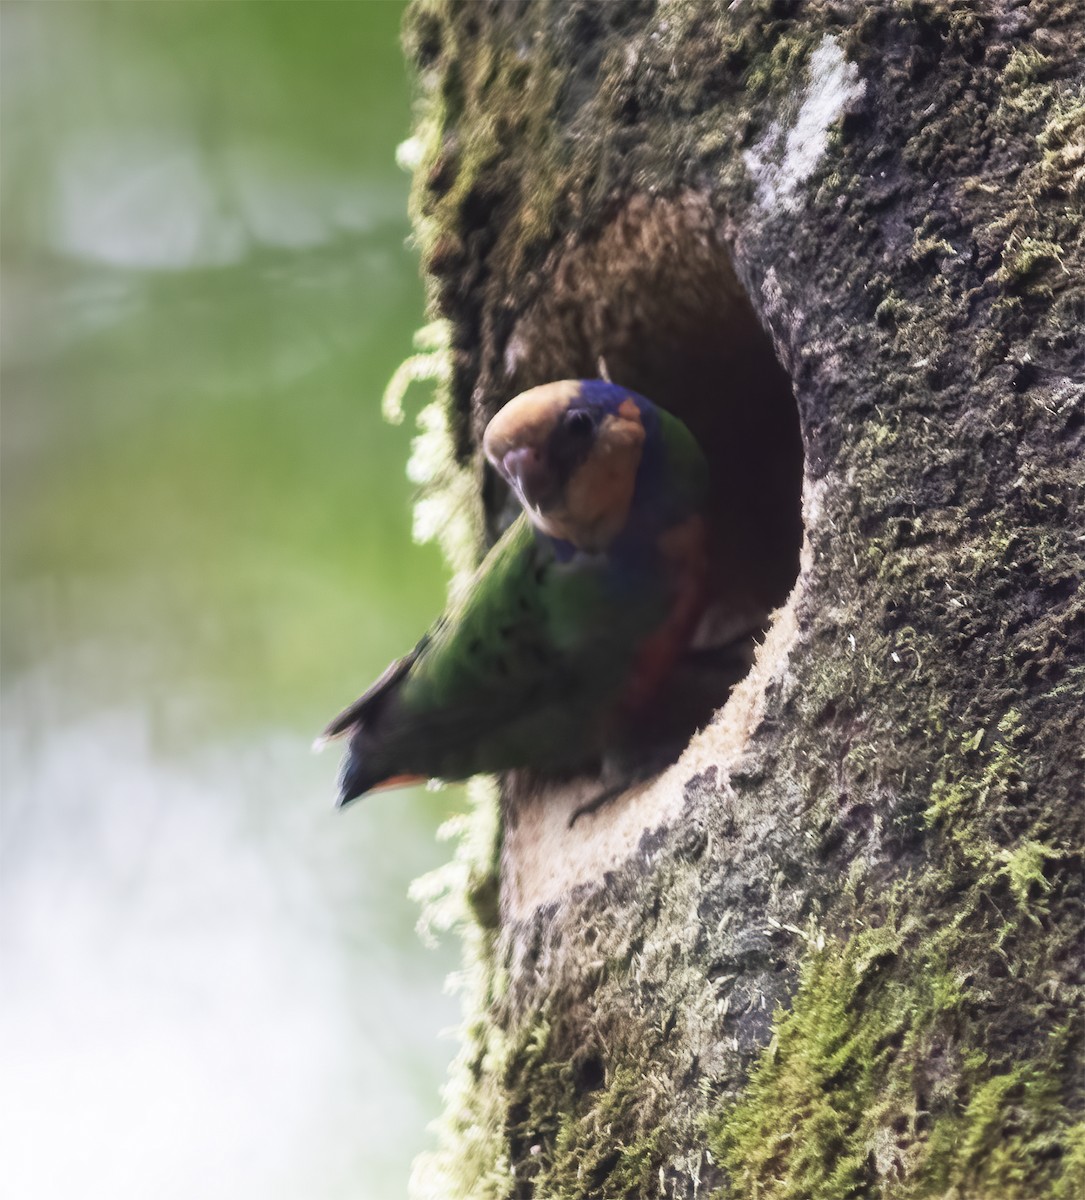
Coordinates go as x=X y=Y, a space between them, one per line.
x=571 y=452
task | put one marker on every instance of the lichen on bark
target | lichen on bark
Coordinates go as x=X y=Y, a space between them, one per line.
x=838 y=955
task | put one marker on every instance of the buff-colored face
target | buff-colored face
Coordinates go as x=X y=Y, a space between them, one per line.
x=573 y=465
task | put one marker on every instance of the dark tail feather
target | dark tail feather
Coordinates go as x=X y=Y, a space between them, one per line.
x=368 y=702
x=352 y=716
x=356 y=777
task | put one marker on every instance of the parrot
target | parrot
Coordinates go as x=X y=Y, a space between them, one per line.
x=572 y=624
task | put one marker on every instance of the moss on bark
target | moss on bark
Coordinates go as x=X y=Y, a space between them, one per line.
x=846 y=963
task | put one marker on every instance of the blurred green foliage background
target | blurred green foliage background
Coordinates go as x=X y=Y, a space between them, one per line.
x=211 y=981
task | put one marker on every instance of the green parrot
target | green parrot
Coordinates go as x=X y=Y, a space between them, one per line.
x=565 y=640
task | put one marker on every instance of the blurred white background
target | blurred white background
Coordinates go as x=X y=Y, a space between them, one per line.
x=210 y=981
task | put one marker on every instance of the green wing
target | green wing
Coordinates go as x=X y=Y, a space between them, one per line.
x=525 y=670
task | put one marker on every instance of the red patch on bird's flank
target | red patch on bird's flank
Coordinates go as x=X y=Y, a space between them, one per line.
x=684 y=549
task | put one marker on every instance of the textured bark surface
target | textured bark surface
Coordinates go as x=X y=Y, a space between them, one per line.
x=833 y=951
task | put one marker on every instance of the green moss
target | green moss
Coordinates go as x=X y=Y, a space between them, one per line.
x=578 y=1125
x=487 y=117
x=782 y=57
x=975 y=1145
x=1062 y=145
x=1071 y=1184
x=1026 y=68
x=960 y=787
x=1026 y=260
x=1023 y=867
x=846 y=1066
x=850 y=1062
x=818 y=1070
x=587 y=1153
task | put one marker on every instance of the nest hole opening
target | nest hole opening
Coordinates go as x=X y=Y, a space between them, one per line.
x=655 y=298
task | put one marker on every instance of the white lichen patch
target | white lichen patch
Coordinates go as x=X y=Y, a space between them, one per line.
x=785 y=158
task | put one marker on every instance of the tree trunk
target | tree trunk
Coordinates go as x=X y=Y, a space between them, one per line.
x=832 y=951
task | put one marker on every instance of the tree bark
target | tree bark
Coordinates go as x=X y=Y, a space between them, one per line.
x=833 y=950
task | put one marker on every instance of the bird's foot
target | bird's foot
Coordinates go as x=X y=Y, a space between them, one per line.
x=596 y=803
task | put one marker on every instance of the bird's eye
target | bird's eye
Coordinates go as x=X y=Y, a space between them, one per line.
x=578 y=424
